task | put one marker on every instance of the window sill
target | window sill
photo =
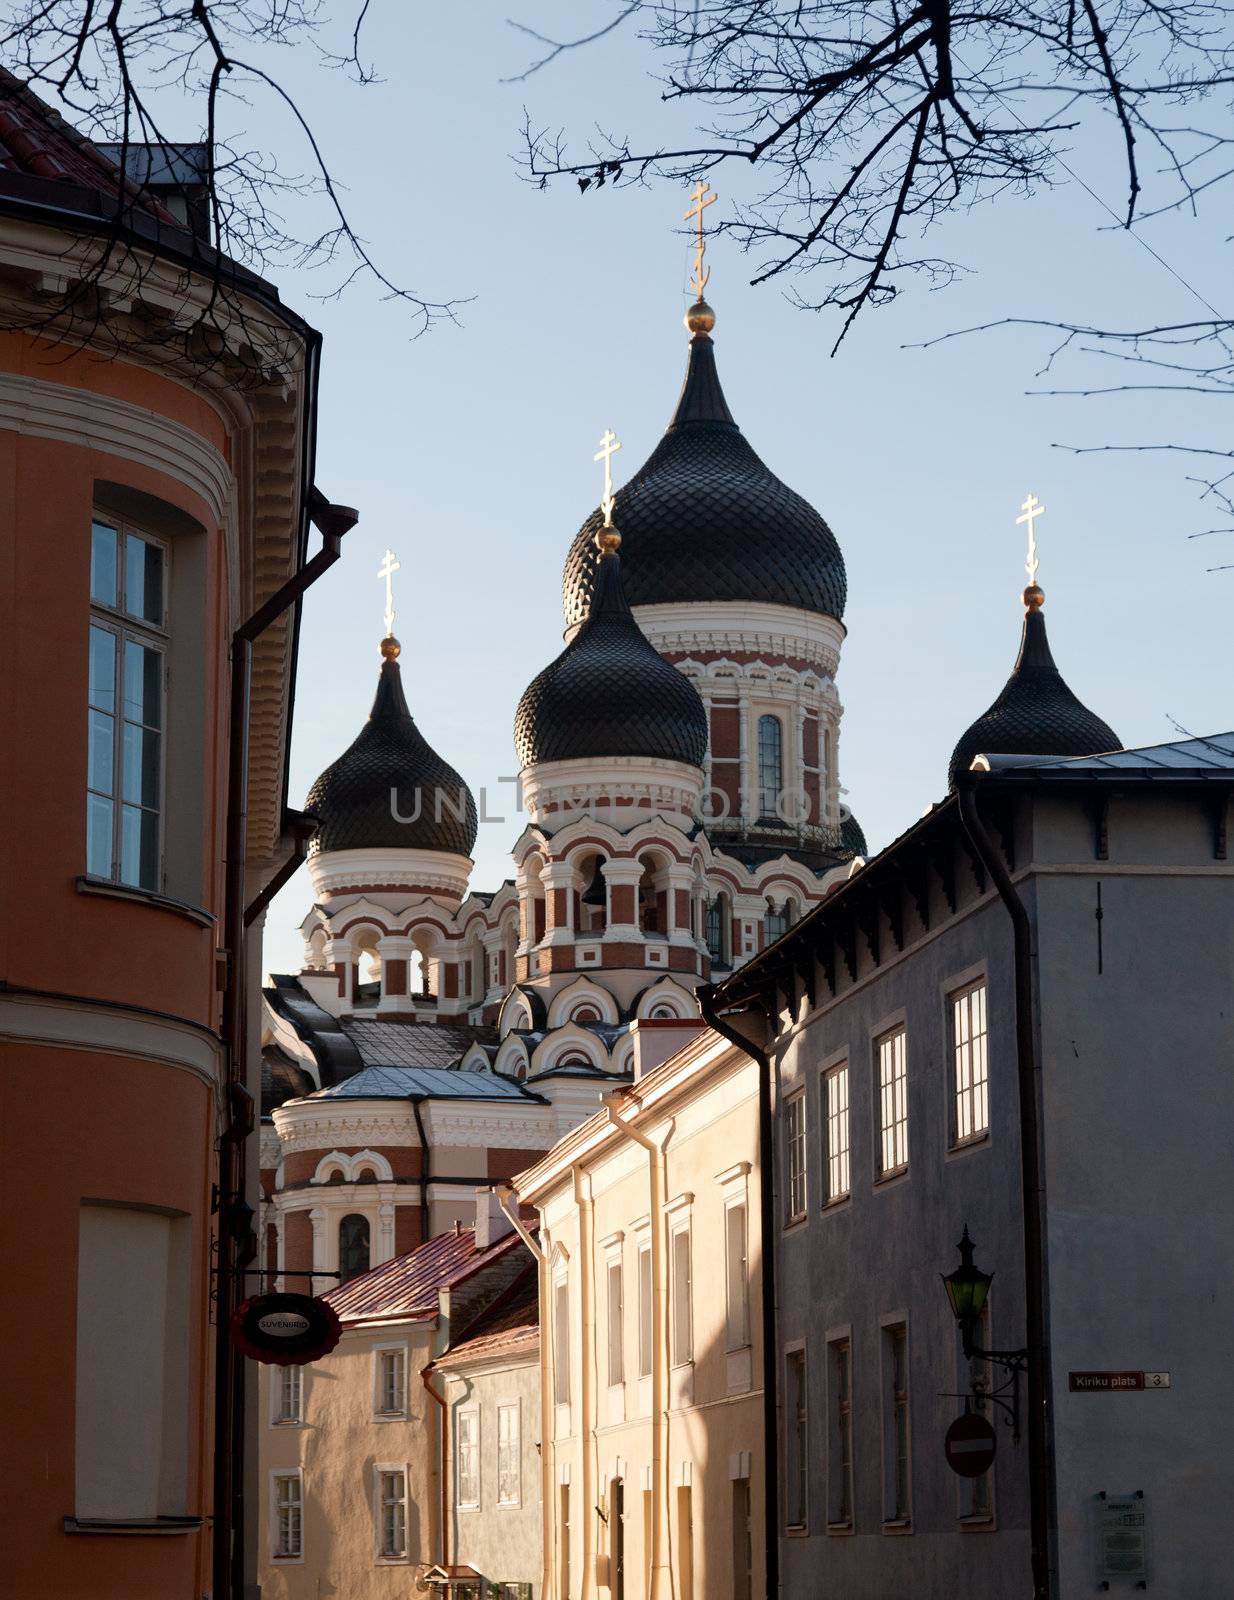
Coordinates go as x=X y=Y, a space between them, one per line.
x=886 y=1179
x=898 y=1525
x=838 y=1204
x=132 y=1525
x=841 y=1530
x=796 y=1531
x=389 y=1416
x=287 y=1422
x=980 y=1524
x=145 y=897
x=959 y=1147
x=791 y=1224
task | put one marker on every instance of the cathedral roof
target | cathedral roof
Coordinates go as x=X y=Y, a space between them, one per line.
x=609 y=692
x=1036 y=714
x=705 y=520
x=352 y=797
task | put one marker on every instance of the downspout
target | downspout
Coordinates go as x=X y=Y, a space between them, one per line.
x=303 y=826
x=661 y=1572
x=443 y=1544
x=1028 y=1073
x=706 y=996
x=426 y=1164
x=236 y=1245
x=505 y=1194
x=586 y=1374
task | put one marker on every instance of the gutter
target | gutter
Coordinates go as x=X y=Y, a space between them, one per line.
x=426 y=1162
x=1042 y=1515
x=707 y=1004
x=505 y=1196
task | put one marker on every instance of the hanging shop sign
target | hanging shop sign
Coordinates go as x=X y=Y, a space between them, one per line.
x=285 y=1330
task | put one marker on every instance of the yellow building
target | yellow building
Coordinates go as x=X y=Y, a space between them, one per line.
x=651 y=1354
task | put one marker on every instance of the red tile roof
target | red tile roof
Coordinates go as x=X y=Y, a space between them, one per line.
x=407 y=1286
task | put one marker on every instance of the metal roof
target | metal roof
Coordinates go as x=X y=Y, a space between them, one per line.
x=407 y=1286
x=433 y=1083
x=387 y=1043
x=1210 y=756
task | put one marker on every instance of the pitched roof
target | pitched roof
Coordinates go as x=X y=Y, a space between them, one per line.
x=432 y=1083
x=407 y=1286
x=1211 y=756
x=382 y=1043
x=509 y=1326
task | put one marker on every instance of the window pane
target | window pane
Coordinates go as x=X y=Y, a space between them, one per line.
x=770 y=770
x=103 y=550
x=141 y=765
x=139 y=847
x=143 y=580
x=99 y=817
x=101 y=769
x=102 y=669
x=143 y=675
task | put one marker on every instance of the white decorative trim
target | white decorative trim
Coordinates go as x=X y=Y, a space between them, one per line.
x=307 y=1125
x=744 y=626
x=99 y=422
x=576 y=787
x=107 y=1030
x=471 y=1126
x=347 y=869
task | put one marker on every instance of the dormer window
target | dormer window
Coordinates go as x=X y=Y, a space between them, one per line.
x=127 y=704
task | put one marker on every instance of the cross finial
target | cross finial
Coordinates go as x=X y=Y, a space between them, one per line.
x=1031 y=510
x=390 y=564
x=609 y=446
x=702 y=197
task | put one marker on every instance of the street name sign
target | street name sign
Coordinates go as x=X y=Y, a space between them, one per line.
x=1110 y=1382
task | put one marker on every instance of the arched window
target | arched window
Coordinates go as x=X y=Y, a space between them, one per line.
x=770 y=765
x=353 y=1246
x=716 y=931
x=774 y=923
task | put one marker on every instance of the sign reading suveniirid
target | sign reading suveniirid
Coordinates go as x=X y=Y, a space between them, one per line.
x=285 y=1330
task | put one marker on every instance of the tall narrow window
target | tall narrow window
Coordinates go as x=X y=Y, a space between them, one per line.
x=617 y=1537
x=716 y=942
x=645 y=1311
x=896 y=1485
x=391 y=1385
x=561 y=1343
x=892 y=1071
x=796 y=1443
x=775 y=923
x=971 y=1114
x=509 y=1456
x=392 y=1514
x=840 y=1434
x=288 y=1517
x=127 y=704
x=467 y=1451
x=353 y=1248
x=684 y=1551
x=737 y=1276
x=563 y=1542
x=743 y=1541
x=683 y=1313
x=770 y=766
x=288 y=1394
x=616 y=1325
x=835 y=1132
x=795 y=1157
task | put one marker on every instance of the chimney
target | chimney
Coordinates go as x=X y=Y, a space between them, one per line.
x=657 y=1038
x=173 y=174
x=492 y=1223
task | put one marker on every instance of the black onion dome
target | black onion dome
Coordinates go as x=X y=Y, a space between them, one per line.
x=704 y=519
x=1036 y=714
x=352 y=797
x=610 y=693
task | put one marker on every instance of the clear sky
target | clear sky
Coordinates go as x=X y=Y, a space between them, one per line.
x=469 y=451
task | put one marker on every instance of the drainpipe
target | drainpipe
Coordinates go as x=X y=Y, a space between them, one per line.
x=587 y=1373
x=505 y=1198
x=235 y=1225
x=426 y=1377
x=662 y=1587
x=1028 y=1073
x=706 y=996
x=303 y=826
x=426 y=1164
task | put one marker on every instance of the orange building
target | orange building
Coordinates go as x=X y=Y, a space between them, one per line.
x=157 y=418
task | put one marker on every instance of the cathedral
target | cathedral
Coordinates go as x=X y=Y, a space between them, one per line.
x=679 y=763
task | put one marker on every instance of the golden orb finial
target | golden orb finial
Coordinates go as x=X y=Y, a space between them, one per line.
x=700 y=318
x=1034 y=597
x=608 y=540
x=390 y=648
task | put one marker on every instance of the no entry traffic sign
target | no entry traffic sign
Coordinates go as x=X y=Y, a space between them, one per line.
x=970 y=1445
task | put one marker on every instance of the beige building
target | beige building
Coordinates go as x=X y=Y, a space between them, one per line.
x=651 y=1349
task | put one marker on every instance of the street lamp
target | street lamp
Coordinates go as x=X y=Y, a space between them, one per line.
x=967 y=1287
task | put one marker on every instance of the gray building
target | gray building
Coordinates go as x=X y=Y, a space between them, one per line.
x=1046 y=957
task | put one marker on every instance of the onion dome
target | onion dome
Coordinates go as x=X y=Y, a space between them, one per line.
x=353 y=797
x=704 y=519
x=609 y=692
x=1036 y=714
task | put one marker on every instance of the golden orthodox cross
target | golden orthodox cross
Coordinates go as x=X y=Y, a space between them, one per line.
x=695 y=215
x=390 y=564
x=609 y=446
x=1032 y=509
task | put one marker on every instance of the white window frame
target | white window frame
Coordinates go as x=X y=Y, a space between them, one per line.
x=737 y=1334
x=293 y=1376
x=836 y=1122
x=841 y=1474
x=469 y=1414
x=970 y=1064
x=382 y=1470
x=124 y=627
x=561 y=1337
x=891 y=1108
x=897 y=1513
x=290 y=1475
x=615 y=1321
x=796 y=1173
x=510 y=1408
x=646 y=1311
x=797 y=1428
x=380 y=1353
x=681 y=1317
